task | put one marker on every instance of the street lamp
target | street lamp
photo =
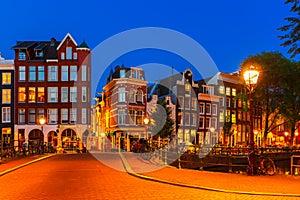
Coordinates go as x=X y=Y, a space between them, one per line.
x=286 y=137
x=251 y=77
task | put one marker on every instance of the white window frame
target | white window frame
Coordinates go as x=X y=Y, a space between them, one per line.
x=73 y=73
x=52 y=95
x=84 y=94
x=73 y=94
x=65 y=73
x=6 y=114
x=52 y=73
x=64 y=94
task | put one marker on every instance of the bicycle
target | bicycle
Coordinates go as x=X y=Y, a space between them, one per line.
x=262 y=166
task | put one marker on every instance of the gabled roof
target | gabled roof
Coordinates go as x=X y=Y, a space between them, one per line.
x=83 y=45
x=221 y=76
x=68 y=35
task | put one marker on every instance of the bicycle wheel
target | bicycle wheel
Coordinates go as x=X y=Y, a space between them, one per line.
x=270 y=167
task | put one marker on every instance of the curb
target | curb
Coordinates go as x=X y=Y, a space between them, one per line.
x=132 y=173
x=25 y=164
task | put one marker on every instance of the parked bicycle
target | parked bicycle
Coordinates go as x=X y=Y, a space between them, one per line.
x=263 y=165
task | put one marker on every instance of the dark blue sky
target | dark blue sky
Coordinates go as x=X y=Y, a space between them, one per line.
x=229 y=30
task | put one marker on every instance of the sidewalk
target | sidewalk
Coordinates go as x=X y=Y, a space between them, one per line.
x=17 y=163
x=278 y=185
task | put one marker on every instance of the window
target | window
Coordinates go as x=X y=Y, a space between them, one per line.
x=194 y=103
x=64 y=94
x=122 y=117
x=69 y=53
x=187 y=87
x=201 y=122
x=214 y=122
x=233 y=91
x=208 y=108
x=221 y=117
x=132 y=96
x=233 y=117
x=22 y=55
x=41 y=94
x=52 y=94
x=31 y=117
x=64 y=116
x=122 y=73
x=22 y=94
x=52 y=116
x=73 y=94
x=75 y=56
x=180 y=118
x=73 y=115
x=228 y=91
x=193 y=119
x=201 y=108
x=83 y=116
x=121 y=95
x=131 y=117
x=41 y=113
x=6 y=78
x=6 y=134
x=208 y=89
x=139 y=117
x=181 y=101
x=221 y=101
x=22 y=73
x=41 y=73
x=73 y=73
x=139 y=96
x=187 y=119
x=227 y=115
x=6 y=115
x=239 y=103
x=221 y=89
x=207 y=122
x=21 y=115
x=52 y=73
x=187 y=137
x=32 y=73
x=84 y=94
x=64 y=73
x=31 y=95
x=62 y=56
x=187 y=102
x=6 y=96
x=227 y=102
x=39 y=53
x=83 y=73
x=214 y=109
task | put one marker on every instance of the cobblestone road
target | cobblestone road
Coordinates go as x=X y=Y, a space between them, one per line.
x=81 y=176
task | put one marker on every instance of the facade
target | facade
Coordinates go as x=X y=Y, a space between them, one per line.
x=52 y=81
x=123 y=106
x=7 y=104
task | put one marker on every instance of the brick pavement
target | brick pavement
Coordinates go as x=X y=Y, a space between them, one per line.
x=228 y=182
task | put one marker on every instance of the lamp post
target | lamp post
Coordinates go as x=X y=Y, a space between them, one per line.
x=251 y=77
x=42 y=121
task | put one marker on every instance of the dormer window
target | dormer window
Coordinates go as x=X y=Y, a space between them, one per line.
x=39 y=53
x=22 y=55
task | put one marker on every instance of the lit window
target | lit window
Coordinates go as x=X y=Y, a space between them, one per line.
x=41 y=113
x=6 y=115
x=64 y=73
x=6 y=96
x=6 y=135
x=73 y=94
x=221 y=89
x=73 y=73
x=22 y=94
x=233 y=92
x=228 y=91
x=69 y=53
x=6 y=78
x=233 y=117
x=221 y=117
x=22 y=74
x=64 y=94
x=52 y=73
x=41 y=73
x=52 y=94
x=31 y=95
x=139 y=117
x=41 y=94
x=187 y=87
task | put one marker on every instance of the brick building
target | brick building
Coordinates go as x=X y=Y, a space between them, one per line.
x=52 y=81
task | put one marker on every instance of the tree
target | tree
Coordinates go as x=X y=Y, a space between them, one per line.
x=292 y=30
x=161 y=122
x=273 y=89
